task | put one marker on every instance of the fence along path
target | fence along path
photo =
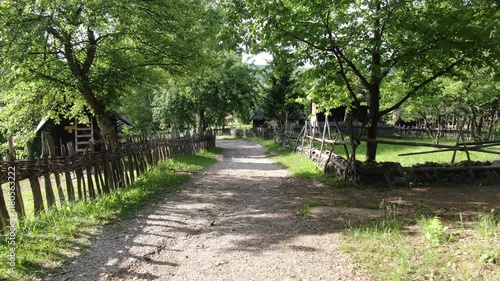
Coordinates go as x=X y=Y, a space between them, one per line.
x=96 y=172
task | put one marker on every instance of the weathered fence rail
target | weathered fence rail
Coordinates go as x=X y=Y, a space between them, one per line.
x=388 y=130
x=85 y=175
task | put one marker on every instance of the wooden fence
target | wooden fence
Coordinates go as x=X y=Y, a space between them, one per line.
x=387 y=130
x=96 y=172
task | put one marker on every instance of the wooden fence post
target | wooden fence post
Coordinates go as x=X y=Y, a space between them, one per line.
x=67 y=174
x=52 y=155
x=107 y=173
x=130 y=161
x=35 y=184
x=18 y=197
x=323 y=138
x=80 y=181
x=96 y=169
x=90 y=182
x=311 y=142
x=4 y=214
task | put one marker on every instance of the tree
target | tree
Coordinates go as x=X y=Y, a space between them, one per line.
x=226 y=86
x=280 y=94
x=471 y=95
x=362 y=43
x=89 y=52
x=173 y=107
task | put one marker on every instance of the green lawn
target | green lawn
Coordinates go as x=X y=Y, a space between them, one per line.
x=390 y=152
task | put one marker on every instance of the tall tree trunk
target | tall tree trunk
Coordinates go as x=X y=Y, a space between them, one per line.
x=491 y=125
x=374 y=89
x=104 y=118
x=108 y=130
x=202 y=125
x=373 y=118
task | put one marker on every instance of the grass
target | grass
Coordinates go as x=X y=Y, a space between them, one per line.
x=27 y=194
x=427 y=248
x=42 y=243
x=299 y=165
x=402 y=247
x=390 y=152
x=306 y=208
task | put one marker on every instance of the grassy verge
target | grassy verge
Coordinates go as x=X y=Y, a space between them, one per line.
x=427 y=248
x=42 y=243
x=297 y=164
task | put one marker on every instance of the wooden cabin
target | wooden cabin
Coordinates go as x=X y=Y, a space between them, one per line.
x=337 y=114
x=258 y=119
x=70 y=130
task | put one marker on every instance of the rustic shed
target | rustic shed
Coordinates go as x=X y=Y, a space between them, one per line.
x=70 y=130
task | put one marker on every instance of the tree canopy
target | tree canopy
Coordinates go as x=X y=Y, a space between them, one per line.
x=60 y=54
x=355 y=46
x=204 y=100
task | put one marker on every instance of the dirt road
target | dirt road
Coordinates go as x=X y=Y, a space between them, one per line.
x=239 y=221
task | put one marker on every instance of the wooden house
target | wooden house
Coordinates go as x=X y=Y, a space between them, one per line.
x=337 y=114
x=71 y=131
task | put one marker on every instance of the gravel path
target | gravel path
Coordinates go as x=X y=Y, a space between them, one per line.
x=238 y=221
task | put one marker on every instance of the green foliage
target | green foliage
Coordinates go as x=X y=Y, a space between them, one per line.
x=355 y=46
x=488 y=225
x=280 y=94
x=434 y=230
x=226 y=86
x=44 y=242
x=172 y=107
x=59 y=57
x=472 y=95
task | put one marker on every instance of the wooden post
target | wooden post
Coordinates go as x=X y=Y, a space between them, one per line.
x=107 y=176
x=67 y=174
x=35 y=184
x=342 y=139
x=130 y=161
x=298 y=137
x=4 y=214
x=52 y=154
x=90 y=182
x=323 y=138
x=95 y=169
x=72 y=153
x=354 y=145
x=305 y=134
x=18 y=197
x=102 y=182
x=311 y=142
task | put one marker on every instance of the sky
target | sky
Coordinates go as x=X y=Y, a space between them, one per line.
x=259 y=59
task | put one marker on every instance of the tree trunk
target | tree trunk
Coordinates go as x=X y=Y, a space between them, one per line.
x=202 y=125
x=108 y=130
x=374 y=88
x=104 y=119
x=371 y=147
